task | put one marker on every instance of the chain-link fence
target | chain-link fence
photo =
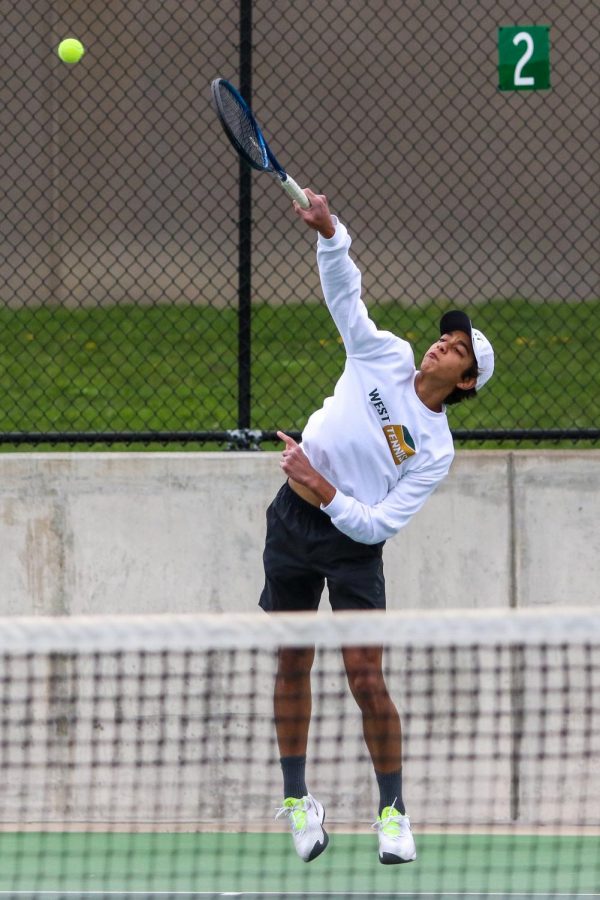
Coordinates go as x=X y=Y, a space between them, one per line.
x=149 y=288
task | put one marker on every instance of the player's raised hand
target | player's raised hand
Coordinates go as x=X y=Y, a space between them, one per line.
x=317 y=215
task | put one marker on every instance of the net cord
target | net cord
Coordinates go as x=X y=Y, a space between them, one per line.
x=224 y=631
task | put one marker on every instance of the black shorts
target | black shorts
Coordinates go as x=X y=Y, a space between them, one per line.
x=303 y=549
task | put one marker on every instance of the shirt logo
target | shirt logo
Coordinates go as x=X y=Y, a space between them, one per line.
x=400 y=442
x=379 y=405
x=398 y=437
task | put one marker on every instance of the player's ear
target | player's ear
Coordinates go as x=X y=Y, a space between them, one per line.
x=467 y=383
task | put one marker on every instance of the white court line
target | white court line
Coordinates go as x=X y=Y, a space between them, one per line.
x=131 y=893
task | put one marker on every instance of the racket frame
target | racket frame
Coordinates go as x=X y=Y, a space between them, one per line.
x=269 y=160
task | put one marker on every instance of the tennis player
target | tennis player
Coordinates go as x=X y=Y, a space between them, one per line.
x=368 y=461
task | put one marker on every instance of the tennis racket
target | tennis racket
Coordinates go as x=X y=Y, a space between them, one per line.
x=244 y=133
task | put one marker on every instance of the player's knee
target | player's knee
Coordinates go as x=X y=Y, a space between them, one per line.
x=368 y=687
x=295 y=662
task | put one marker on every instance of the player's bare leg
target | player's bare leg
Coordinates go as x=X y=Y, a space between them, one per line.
x=383 y=737
x=293 y=706
x=293 y=700
x=381 y=722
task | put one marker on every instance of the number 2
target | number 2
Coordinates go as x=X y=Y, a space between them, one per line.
x=520 y=80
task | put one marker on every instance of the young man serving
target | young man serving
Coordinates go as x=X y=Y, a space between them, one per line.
x=368 y=460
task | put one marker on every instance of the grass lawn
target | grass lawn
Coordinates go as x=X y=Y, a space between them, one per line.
x=174 y=368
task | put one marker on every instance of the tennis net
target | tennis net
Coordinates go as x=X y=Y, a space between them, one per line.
x=139 y=756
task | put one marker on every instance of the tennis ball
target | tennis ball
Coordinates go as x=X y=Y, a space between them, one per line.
x=70 y=50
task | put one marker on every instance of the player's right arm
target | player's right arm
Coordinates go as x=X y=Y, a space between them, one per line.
x=342 y=283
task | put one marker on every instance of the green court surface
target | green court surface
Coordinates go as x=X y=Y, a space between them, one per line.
x=279 y=895
x=185 y=866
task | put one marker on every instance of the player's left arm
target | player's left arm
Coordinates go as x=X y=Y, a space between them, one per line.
x=373 y=524
x=359 y=521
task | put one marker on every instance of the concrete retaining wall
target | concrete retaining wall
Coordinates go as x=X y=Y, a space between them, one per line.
x=137 y=533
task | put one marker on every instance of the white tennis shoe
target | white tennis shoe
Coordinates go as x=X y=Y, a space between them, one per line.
x=396 y=842
x=306 y=816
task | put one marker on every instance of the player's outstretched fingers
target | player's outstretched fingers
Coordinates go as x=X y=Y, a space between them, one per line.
x=288 y=441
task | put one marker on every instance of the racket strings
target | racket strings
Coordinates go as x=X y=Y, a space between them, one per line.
x=243 y=129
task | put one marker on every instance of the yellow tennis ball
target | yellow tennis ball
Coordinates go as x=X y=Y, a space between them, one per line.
x=70 y=50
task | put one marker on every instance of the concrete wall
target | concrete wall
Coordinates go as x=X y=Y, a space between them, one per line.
x=137 y=533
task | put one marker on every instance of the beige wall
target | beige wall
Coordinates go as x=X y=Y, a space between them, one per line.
x=177 y=532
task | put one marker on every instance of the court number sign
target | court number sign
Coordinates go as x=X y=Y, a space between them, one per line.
x=524 y=58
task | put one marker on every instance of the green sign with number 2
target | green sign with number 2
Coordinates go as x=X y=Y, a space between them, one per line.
x=524 y=58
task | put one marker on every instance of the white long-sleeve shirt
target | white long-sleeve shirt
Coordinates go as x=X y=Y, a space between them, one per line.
x=374 y=440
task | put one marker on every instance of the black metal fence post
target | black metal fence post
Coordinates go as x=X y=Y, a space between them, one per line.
x=245 y=233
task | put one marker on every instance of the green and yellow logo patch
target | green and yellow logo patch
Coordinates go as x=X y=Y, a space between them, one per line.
x=400 y=442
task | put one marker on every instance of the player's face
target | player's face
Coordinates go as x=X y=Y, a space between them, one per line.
x=449 y=358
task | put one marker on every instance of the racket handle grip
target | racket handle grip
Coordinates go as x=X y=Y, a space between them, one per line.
x=295 y=192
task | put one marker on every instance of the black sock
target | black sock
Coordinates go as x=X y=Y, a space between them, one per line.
x=390 y=790
x=293 y=768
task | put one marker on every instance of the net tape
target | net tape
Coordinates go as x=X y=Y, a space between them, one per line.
x=212 y=631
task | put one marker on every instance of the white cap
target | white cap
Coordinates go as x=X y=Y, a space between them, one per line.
x=457 y=320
